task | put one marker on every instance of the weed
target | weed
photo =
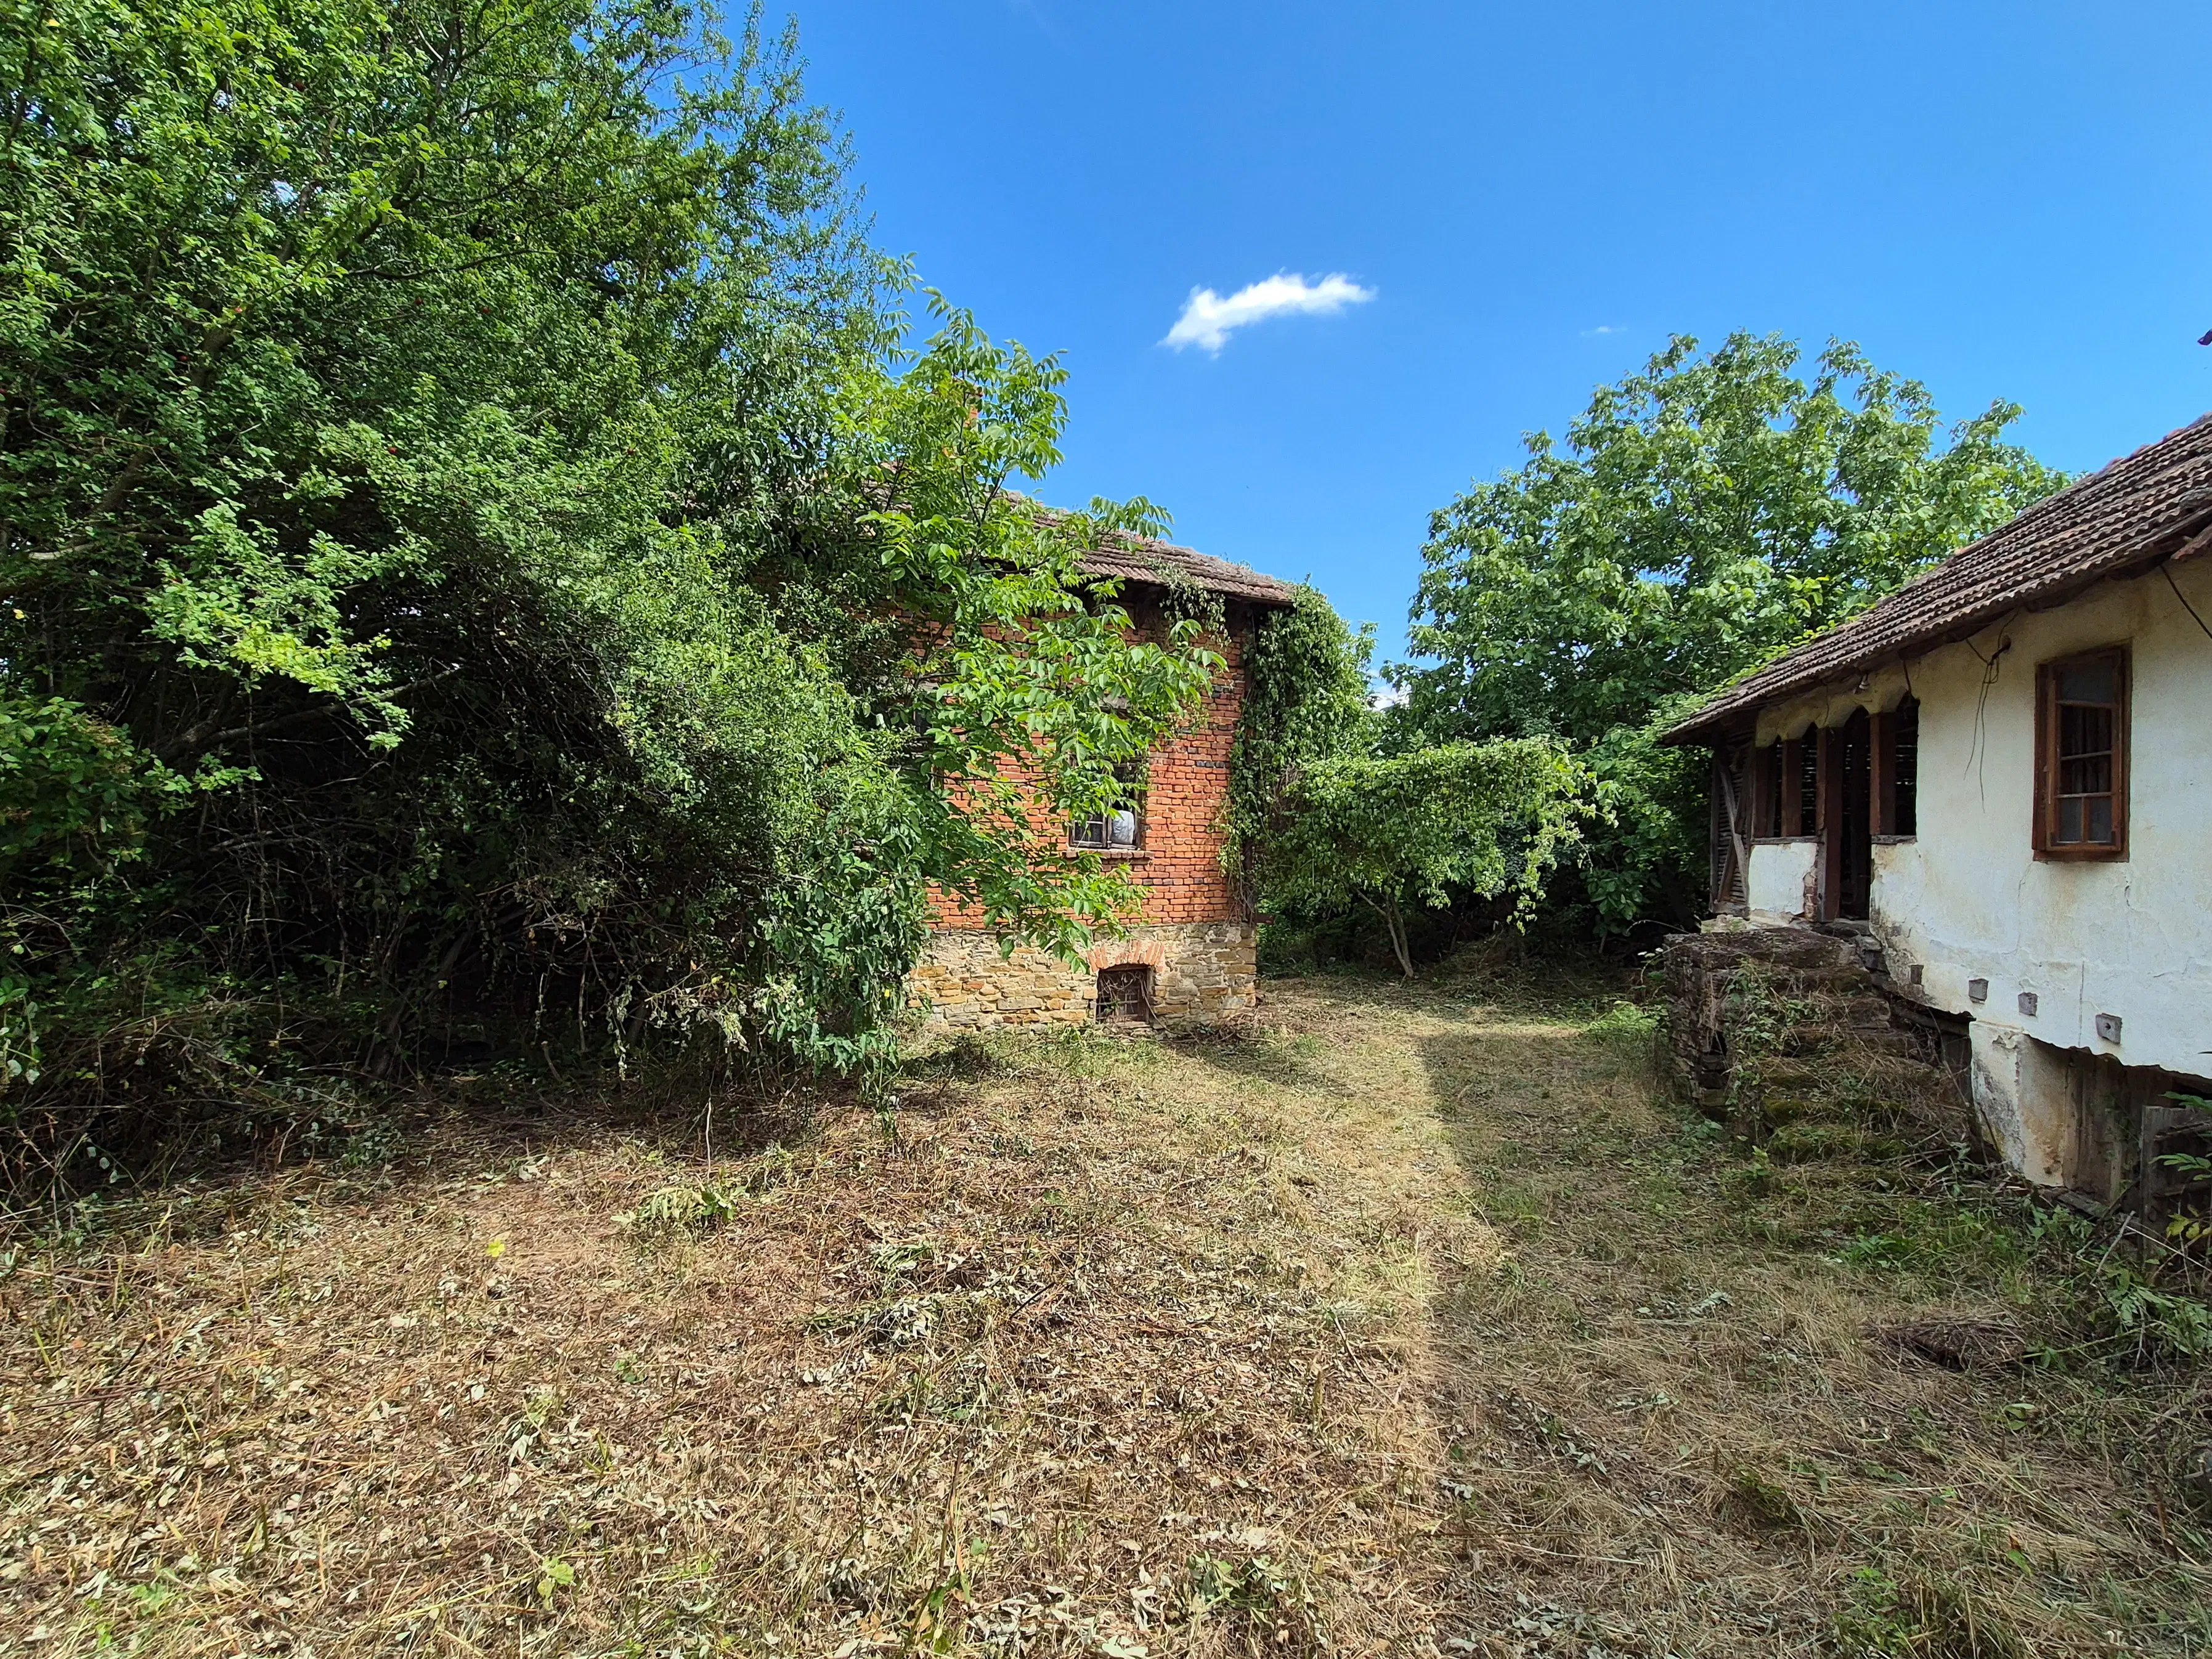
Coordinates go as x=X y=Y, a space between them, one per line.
x=1271 y=1605
x=1921 y=1618
x=553 y=1577
x=2151 y=1324
x=681 y=1209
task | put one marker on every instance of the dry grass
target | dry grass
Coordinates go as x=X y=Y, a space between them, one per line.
x=1407 y=1324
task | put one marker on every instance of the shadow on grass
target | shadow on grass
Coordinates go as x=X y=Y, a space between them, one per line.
x=205 y=1178
x=1553 y=1127
x=1283 y=1059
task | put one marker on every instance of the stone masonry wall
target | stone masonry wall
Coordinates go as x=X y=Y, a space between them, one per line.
x=1201 y=970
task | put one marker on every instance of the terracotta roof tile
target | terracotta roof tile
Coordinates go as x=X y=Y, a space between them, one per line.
x=2118 y=521
x=1130 y=558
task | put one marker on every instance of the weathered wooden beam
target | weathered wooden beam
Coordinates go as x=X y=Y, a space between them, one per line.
x=1829 y=793
x=1881 y=773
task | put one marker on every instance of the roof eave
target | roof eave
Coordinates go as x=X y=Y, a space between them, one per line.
x=1727 y=711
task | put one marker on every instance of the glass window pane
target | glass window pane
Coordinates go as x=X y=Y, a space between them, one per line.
x=2093 y=682
x=2089 y=775
x=2084 y=731
x=2087 y=742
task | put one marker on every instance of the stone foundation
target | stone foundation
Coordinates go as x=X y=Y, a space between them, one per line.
x=1764 y=1024
x=1201 y=970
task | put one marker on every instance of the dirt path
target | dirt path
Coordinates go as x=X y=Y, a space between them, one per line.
x=1407 y=1325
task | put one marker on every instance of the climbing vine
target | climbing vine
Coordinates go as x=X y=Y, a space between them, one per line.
x=1305 y=702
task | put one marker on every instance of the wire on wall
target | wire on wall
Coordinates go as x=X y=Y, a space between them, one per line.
x=1977 y=752
x=2167 y=571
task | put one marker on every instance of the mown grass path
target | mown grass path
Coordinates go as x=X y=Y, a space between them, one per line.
x=1409 y=1322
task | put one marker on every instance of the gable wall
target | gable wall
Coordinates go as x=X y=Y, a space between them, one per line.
x=1186 y=792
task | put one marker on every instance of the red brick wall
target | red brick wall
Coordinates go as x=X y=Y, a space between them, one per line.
x=1179 y=866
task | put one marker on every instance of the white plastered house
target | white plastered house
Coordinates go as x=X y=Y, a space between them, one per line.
x=2001 y=774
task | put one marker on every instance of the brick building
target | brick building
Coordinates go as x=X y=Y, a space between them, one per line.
x=1190 y=952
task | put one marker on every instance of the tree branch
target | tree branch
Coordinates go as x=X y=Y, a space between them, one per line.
x=198 y=739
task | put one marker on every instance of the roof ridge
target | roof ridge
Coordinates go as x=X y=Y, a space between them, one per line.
x=2050 y=504
x=1209 y=570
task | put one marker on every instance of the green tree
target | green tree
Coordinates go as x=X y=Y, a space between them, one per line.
x=1395 y=831
x=464 y=524
x=1702 y=515
x=1022 y=686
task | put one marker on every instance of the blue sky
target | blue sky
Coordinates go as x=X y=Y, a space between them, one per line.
x=2002 y=200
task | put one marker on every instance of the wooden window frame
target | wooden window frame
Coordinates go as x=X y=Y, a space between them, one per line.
x=1135 y=778
x=2047 y=846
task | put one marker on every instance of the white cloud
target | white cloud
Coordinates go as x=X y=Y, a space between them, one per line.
x=1207 y=319
x=1604 y=328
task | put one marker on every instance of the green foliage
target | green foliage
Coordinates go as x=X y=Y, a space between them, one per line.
x=1024 y=686
x=73 y=791
x=1268 y=1597
x=1702 y=515
x=456 y=464
x=1305 y=703
x=1632 y=1021
x=1643 y=859
x=1920 y=1617
x=1411 y=828
x=700 y=1209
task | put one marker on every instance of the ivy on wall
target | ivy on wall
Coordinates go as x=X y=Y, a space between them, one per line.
x=1305 y=702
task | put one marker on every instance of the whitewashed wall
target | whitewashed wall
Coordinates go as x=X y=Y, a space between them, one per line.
x=1967 y=898
x=1781 y=872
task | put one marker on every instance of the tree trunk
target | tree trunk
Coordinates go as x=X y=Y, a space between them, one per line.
x=1394 y=919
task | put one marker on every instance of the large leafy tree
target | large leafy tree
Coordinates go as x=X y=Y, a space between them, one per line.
x=1022 y=687
x=1702 y=515
x=468 y=552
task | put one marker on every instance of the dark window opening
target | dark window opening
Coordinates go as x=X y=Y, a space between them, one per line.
x=1808 y=785
x=1855 y=829
x=2081 y=756
x=1121 y=829
x=1767 y=820
x=1904 y=813
x=1125 y=994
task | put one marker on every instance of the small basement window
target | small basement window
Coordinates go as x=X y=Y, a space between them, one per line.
x=2081 y=756
x=1125 y=994
x=1119 y=830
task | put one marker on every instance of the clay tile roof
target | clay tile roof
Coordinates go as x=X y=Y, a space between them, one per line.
x=2119 y=521
x=1132 y=559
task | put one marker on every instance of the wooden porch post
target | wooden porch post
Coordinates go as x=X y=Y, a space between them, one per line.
x=1828 y=761
x=1881 y=773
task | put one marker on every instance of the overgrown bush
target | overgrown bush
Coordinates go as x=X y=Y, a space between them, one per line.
x=475 y=576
